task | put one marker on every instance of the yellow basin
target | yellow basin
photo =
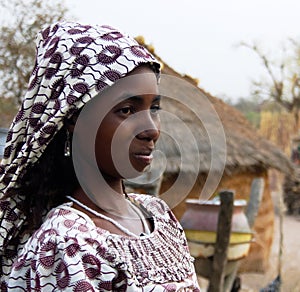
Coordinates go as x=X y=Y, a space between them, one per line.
x=211 y=236
x=202 y=244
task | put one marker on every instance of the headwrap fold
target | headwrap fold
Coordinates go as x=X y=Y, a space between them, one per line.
x=74 y=63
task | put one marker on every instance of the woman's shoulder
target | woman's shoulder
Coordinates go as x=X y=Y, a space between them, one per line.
x=66 y=232
x=65 y=225
x=66 y=251
x=68 y=219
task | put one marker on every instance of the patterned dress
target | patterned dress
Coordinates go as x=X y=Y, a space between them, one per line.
x=69 y=253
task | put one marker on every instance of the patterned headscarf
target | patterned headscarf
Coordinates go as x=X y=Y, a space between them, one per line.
x=74 y=62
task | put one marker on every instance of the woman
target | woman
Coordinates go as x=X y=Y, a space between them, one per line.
x=89 y=120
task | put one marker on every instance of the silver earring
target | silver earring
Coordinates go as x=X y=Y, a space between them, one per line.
x=67 y=150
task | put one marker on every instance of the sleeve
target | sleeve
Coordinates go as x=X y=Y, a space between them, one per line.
x=65 y=264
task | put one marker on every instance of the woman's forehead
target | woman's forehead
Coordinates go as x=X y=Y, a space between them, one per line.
x=137 y=84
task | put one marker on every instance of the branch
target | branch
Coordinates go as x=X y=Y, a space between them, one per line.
x=277 y=89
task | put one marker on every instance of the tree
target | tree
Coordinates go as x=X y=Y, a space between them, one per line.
x=21 y=21
x=250 y=107
x=282 y=84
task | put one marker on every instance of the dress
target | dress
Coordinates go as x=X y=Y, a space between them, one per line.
x=69 y=253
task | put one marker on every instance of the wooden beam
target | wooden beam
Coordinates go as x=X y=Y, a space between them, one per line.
x=216 y=282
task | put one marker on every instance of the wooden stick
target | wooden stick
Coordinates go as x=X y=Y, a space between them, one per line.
x=256 y=194
x=223 y=237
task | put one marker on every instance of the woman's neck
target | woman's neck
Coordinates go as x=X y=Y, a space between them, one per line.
x=113 y=202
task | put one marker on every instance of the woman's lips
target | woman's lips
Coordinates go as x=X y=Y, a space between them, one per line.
x=144 y=157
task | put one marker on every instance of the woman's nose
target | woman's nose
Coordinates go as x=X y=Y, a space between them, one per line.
x=149 y=127
x=149 y=134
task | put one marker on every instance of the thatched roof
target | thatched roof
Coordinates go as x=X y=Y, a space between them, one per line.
x=246 y=149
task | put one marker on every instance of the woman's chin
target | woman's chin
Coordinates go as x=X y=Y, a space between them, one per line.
x=135 y=172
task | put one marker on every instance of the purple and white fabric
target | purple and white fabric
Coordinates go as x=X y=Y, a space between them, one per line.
x=69 y=253
x=74 y=63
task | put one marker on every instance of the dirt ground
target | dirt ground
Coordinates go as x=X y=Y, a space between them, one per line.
x=290 y=261
x=290 y=268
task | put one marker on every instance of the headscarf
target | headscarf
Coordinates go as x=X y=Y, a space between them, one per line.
x=74 y=62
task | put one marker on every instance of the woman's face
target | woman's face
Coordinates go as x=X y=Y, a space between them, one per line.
x=128 y=132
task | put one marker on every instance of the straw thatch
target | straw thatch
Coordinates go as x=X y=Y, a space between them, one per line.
x=246 y=150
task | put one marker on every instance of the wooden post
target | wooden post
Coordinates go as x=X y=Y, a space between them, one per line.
x=257 y=189
x=216 y=281
x=256 y=193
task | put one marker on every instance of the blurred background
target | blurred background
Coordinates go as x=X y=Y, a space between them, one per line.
x=244 y=55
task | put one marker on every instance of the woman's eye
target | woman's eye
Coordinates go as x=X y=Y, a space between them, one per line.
x=154 y=109
x=126 y=110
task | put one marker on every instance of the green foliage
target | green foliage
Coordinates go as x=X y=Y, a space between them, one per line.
x=253 y=118
x=247 y=104
x=250 y=107
x=20 y=22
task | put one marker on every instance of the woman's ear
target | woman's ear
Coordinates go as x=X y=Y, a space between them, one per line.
x=69 y=126
x=70 y=123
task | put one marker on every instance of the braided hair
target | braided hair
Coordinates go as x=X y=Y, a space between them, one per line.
x=45 y=184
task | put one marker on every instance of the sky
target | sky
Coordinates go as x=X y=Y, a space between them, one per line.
x=202 y=38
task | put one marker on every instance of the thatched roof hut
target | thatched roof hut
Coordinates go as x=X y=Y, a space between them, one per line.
x=246 y=150
x=196 y=130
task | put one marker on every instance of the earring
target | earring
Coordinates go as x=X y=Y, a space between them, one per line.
x=67 y=149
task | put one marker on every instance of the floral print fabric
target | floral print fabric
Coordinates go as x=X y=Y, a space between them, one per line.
x=69 y=253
